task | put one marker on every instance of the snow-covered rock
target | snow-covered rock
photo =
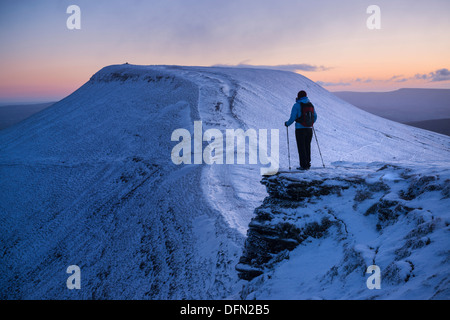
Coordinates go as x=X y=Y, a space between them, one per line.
x=317 y=232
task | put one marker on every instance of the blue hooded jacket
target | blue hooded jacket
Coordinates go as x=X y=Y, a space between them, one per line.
x=296 y=112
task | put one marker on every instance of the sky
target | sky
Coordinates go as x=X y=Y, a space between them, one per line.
x=327 y=41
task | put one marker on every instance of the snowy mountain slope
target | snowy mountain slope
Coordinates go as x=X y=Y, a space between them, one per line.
x=90 y=180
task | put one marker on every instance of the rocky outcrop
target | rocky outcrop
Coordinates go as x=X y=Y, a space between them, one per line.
x=283 y=221
x=363 y=209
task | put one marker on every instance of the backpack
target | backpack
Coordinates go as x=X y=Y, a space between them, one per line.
x=306 y=118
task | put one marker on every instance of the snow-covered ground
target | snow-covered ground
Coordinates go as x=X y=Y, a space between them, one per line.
x=90 y=181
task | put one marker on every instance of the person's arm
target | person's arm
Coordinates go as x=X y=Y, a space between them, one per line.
x=293 y=117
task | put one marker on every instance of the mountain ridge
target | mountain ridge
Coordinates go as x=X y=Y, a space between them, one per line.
x=402 y=105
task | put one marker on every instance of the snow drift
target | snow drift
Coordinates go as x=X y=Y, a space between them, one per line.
x=90 y=181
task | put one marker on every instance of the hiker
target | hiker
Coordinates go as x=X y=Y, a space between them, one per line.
x=304 y=114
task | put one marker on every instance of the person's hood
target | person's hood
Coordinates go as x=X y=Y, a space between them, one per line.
x=303 y=100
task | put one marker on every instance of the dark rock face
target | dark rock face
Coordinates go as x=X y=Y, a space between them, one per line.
x=279 y=224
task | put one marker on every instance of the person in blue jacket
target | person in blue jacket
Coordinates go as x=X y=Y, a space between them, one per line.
x=303 y=132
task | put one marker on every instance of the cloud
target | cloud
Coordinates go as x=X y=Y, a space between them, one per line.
x=435 y=76
x=397 y=78
x=420 y=77
x=360 y=80
x=440 y=75
x=282 y=67
x=342 y=83
x=332 y=84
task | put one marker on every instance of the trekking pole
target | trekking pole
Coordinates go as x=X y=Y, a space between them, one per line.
x=289 y=151
x=318 y=146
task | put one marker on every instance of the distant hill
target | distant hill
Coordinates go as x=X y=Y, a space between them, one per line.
x=404 y=105
x=12 y=114
x=439 y=126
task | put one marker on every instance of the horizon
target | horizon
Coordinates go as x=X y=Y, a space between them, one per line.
x=44 y=60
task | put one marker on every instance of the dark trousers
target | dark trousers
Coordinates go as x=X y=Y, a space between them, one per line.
x=304 y=138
